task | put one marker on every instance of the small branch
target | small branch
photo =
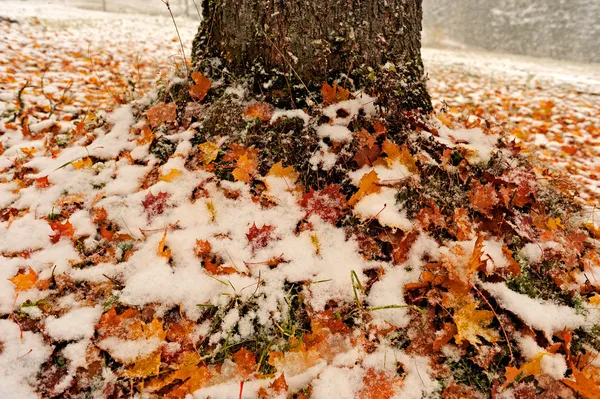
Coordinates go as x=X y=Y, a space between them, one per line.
x=187 y=69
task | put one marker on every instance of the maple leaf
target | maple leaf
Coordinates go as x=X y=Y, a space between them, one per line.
x=402 y=246
x=172 y=175
x=147 y=136
x=101 y=215
x=367 y=155
x=42 y=182
x=145 y=367
x=83 y=163
x=62 y=230
x=162 y=113
x=278 y=170
x=165 y=253
x=24 y=281
x=245 y=168
x=155 y=204
x=260 y=111
x=472 y=324
x=475 y=263
x=379 y=385
x=202 y=248
x=201 y=88
x=193 y=374
x=586 y=387
x=259 y=238
x=368 y=185
x=209 y=151
x=533 y=367
x=334 y=94
x=245 y=361
x=464 y=229
x=554 y=224
x=329 y=203
x=399 y=154
x=483 y=198
x=277 y=389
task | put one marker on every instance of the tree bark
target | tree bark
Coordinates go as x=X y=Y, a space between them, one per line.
x=316 y=41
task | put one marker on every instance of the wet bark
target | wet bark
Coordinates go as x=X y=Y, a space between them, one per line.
x=310 y=42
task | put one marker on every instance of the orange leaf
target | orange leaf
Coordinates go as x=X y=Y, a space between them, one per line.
x=246 y=362
x=162 y=113
x=586 y=387
x=475 y=263
x=24 y=281
x=42 y=182
x=368 y=185
x=334 y=94
x=82 y=163
x=399 y=154
x=200 y=89
x=379 y=385
x=245 y=168
x=533 y=367
x=202 y=248
x=61 y=230
x=483 y=198
x=147 y=136
x=165 y=253
x=260 y=111
x=145 y=367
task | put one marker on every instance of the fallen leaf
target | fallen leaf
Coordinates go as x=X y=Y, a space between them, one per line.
x=245 y=168
x=483 y=198
x=278 y=170
x=585 y=386
x=165 y=253
x=201 y=88
x=329 y=203
x=202 y=248
x=368 y=185
x=61 y=230
x=145 y=367
x=25 y=281
x=42 y=182
x=472 y=324
x=83 y=163
x=554 y=224
x=172 y=175
x=155 y=204
x=260 y=111
x=209 y=151
x=162 y=113
x=533 y=367
x=259 y=238
x=245 y=361
x=335 y=94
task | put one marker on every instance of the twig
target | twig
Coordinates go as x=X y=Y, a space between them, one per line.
x=166 y=2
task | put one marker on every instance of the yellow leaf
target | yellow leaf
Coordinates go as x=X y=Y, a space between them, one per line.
x=472 y=324
x=593 y=229
x=28 y=151
x=145 y=367
x=368 y=185
x=279 y=171
x=595 y=300
x=165 y=253
x=172 y=175
x=399 y=154
x=554 y=224
x=82 y=163
x=245 y=169
x=24 y=281
x=211 y=208
x=315 y=242
x=533 y=367
x=210 y=151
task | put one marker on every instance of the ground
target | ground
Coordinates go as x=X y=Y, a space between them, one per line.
x=139 y=258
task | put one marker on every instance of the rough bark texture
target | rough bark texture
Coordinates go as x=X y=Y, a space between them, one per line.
x=316 y=41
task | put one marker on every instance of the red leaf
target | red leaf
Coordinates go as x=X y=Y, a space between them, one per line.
x=328 y=203
x=259 y=238
x=155 y=204
x=483 y=198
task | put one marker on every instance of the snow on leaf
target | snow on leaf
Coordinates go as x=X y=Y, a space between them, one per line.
x=379 y=385
x=61 y=230
x=533 y=367
x=260 y=111
x=202 y=86
x=162 y=113
x=162 y=250
x=172 y=175
x=24 y=281
x=329 y=203
x=245 y=168
x=335 y=94
x=259 y=238
x=209 y=151
x=399 y=154
x=155 y=204
x=368 y=185
x=202 y=248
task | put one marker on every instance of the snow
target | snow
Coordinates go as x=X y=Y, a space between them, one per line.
x=129 y=351
x=293 y=113
x=335 y=382
x=20 y=360
x=382 y=206
x=335 y=133
x=542 y=315
x=74 y=325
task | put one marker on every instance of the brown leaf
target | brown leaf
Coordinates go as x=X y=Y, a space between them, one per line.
x=260 y=111
x=335 y=94
x=483 y=198
x=162 y=113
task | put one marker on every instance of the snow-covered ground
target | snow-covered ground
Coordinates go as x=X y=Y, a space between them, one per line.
x=100 y=240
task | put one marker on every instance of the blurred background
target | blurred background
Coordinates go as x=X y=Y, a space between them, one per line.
x=558 y=29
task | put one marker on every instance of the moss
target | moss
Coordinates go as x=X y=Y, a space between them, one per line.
x=162 y=148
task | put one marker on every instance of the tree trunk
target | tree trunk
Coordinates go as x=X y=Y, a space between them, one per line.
x=311 y=42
